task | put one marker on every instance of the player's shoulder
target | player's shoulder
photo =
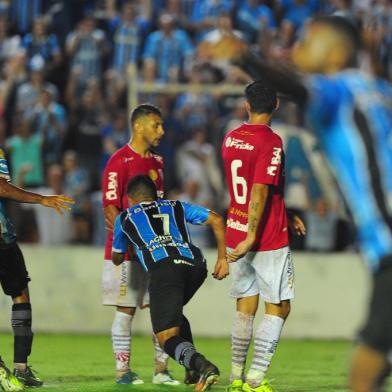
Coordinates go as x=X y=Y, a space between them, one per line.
x=274 y=137
x=121 y=152
x=157 y=157
x=121 y=155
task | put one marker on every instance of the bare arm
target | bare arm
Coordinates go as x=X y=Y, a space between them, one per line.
x=110 y=212
x=10 y=191
x=258 y=201
x=217 y=224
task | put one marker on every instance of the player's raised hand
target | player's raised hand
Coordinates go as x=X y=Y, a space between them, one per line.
x=240 y=251
x=221 y=269
x=296 y=225
x=60 y=203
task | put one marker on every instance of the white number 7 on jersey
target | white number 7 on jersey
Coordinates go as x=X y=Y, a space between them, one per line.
x=166 y=222
x=238 y=181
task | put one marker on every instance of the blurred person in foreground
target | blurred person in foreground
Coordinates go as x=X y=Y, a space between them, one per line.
x=257 y=238
x=350 y=112
x=157 y=231
x=125 y=286
x=14 y=280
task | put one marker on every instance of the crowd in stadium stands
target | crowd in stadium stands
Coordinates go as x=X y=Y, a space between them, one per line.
x=63 y=98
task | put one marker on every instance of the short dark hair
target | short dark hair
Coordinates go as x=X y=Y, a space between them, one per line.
x=261 y=98
x=144 y=109
x=141 y=187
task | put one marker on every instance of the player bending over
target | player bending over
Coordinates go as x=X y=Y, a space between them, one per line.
x=14 y=280
x=156 y=229
x=351 y=114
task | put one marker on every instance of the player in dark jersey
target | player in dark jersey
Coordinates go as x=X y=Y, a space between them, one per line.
x=156 y=229
x=14 y=280
x=350 y=112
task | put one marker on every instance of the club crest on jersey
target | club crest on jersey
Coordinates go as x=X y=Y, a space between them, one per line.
x=238 y=144
x=153 y=174
x=111 y=193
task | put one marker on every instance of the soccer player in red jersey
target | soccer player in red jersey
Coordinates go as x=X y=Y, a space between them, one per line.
x=257 y=237
x=126 y=286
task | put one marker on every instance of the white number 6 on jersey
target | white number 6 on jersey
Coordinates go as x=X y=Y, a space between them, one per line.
x=237 y=182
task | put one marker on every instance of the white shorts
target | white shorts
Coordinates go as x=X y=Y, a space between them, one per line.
x=268 y=273
x=125 y=285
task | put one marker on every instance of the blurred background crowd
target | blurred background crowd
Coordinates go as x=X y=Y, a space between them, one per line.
x=64 y=111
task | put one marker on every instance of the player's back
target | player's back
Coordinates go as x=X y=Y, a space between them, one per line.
x=351 y=113
x=158 y=230
x=253 y=154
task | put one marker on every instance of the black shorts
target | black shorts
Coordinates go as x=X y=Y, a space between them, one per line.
x=172 y=284
x=14 y=277
x=377 y=332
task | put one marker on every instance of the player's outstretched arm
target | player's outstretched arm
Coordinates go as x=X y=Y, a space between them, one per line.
x=284 y=80
x=258 y=200
x=10 y=191
x=217 y=224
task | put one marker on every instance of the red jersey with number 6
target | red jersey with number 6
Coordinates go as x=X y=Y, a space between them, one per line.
x=124 y=164
x=253 y=154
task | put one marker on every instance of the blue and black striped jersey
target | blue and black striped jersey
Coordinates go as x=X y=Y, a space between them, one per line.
x=351 y=114
x=7 y=235
x=158 y=231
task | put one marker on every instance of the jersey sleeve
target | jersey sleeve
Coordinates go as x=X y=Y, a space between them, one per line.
x=269 y=163
x=324 y=97
x=112 y=184
x=120 y=240
x=4 y=171
x=196 y=215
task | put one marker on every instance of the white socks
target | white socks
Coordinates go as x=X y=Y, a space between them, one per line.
x=265 y=341
x=121 y=340
x=240 y=340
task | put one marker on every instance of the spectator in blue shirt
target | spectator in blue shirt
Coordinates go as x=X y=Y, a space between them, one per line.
x=50 y=122
x=205 y=14
x=166 y=51
x=23 y=12
x=251 y=17
x=128 y=30
x=40 y=43
x=298 y=11
x=86 y=46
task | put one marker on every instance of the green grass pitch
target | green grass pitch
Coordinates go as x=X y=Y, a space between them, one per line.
x=85 y=363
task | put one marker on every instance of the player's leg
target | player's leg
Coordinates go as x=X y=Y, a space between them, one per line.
x=15 y=285
x=369 y=364
x=245 y=290
x=171 y=287
x=161 y=374
x=8 y=382
x=121 y=343
x=274 y=271
x=119 y=291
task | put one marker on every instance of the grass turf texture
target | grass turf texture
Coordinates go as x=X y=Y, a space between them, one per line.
x=85 y=363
